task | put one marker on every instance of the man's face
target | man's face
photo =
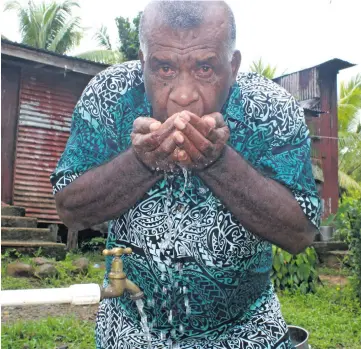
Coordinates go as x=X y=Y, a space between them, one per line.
x=188 y=69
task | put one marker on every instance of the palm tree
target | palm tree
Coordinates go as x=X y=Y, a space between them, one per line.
x=263 y=69
x=49 y=26
x=349 y=105
x=105 y=54
x=349 y=133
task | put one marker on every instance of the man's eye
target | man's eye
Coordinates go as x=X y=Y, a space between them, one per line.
x=205 y=71
x=166 y=70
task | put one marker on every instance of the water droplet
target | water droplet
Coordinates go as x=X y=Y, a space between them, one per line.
x=185 y=174
x=181 y=329
x=144 y=322
x=170 y=317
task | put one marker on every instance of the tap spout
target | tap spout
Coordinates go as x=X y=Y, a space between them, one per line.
x=118 y=282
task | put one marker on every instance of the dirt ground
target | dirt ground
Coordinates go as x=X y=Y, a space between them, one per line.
x=337 y=280
x=36 y=312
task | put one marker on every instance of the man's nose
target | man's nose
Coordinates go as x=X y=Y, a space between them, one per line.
x=184 y=93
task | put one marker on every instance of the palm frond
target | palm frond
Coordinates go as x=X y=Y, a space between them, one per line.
x=346 y=182
x=348 y=139
x=61 y=35
x=349 y=104
x=48 y=25
x=263 y=69
x=102 y=38
x=103 y=56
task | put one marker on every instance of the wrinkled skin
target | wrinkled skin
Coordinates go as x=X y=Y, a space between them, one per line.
x=187 y=76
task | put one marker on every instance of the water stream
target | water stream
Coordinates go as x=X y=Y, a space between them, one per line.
x=144 y=322
x=166 y=244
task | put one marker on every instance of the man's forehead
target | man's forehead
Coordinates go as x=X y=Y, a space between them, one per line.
x=207 y=36
x=198 y=54
x=213 y=26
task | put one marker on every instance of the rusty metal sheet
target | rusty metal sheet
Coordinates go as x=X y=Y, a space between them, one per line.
x=46 y=104
x=302 y=85
x=10 y=82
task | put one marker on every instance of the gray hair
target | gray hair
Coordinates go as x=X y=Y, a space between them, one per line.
x=180 y=14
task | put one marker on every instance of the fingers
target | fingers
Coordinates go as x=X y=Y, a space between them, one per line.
x=204 y=127
x=145 y=125
x=219 y=135
x=202 y=144
x=216 y=118
x=188 y=151
x=158 y=134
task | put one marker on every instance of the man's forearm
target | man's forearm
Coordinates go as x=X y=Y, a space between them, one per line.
x=262 y=205
x=105 y=192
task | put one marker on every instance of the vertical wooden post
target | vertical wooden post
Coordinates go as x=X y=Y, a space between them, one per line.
x=72 y=240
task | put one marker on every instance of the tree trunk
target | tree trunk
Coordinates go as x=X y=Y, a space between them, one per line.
x=72 y=241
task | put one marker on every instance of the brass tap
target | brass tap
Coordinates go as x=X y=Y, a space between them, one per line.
x=118 y=282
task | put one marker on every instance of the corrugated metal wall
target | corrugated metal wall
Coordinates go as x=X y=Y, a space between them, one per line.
x=320 y=82
x=302 y=85
x=46 y=105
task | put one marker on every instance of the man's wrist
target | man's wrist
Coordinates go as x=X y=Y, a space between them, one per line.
x=146 y=168
x=216 y=164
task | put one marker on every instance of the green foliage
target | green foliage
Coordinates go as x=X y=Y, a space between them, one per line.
x=95 y=244
x=294 y=272
x=331 y=315
x=349 y=133
x=342 y=221
x=48 y=25
x=48 y=333
x=128 y=36
x=349 y=105
x=66 y=274
x=354 y=215
x=263 y=69
x=102 y=56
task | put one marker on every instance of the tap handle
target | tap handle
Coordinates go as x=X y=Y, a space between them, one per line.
x=117 y=251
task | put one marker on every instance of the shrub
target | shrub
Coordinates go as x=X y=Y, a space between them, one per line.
x=342 y=221
x=294 y=272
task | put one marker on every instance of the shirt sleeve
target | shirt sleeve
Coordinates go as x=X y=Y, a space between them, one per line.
x=288 y=159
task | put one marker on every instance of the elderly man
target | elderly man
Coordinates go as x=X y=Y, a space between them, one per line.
x=199 y=169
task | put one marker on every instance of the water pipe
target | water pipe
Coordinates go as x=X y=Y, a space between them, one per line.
x=80 y=294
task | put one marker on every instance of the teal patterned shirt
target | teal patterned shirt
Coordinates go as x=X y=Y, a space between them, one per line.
x=205 y=277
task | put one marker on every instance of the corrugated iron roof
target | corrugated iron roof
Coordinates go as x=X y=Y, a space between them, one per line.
x=51 y=53
x=335 y=64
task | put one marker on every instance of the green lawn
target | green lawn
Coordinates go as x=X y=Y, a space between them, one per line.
x=331 y=316
x=48 y=334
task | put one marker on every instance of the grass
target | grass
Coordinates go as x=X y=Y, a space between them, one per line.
x=331 y=315
x=66 y=275
x=48 y=334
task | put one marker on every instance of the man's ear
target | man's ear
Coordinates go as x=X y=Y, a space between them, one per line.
x=141 y=58
x=236 y=63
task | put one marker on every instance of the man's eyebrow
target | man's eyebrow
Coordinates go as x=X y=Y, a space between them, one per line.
x=207 y=59
x=160 y=60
